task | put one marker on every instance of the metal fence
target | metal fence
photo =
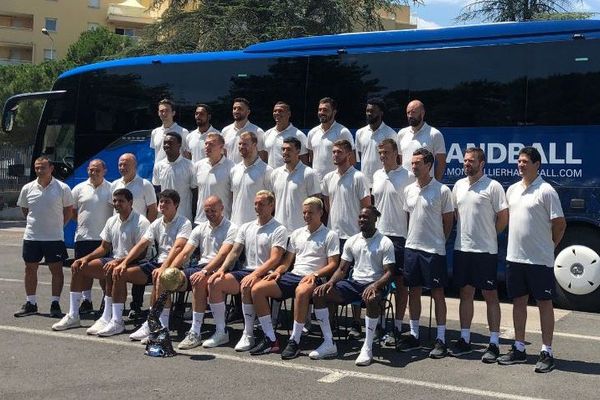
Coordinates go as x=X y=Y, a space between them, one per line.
x=11 y=157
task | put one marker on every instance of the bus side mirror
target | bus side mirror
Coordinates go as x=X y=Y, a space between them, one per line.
x=8 y=119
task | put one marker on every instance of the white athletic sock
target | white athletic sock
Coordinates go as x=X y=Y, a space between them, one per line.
x=164 y=317
x=370 y=325
x=87 y=295
x=249 y=316
x=520 y=345
x=548 y=349
x=495 y=338
x=197 y=318
x=466 y=335
x=398 y=324
x=117 y=312
x=414 y=327
x=74 y=299
x=55 y=298
x=267 y=326
x=218 y=312
x=297 y=332
x=32 y=298
x=322 y=315
x=107 y=314
x=441 y=333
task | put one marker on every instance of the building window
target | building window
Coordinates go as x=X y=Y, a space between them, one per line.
x=50 y=24
x=94 y=3
x=93 y=26
x=49 y=54
x=125 y=31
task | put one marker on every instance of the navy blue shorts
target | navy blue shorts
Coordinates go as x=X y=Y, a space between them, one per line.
x=189 y=271
x=51 y=251
x=288 y=283
x=147 y=267
x=106 y=260
x=398 y=242
x=85 y=247
x=422 y=269
x=479 y=270
x=350 y=290
x=530 y=279
x=240 y=274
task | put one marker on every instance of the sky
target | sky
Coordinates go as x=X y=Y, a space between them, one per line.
x=436 y=13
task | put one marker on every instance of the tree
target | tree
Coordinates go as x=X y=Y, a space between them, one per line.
x=518 y=10
x=96 y=45
x=212 y=25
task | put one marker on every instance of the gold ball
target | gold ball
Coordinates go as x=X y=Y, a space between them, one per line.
x=171 y=279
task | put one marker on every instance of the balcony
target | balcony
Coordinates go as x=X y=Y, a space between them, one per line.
x=10 y=61
x=129 y=12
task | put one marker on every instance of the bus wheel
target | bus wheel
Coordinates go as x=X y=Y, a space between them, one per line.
x=577 y=270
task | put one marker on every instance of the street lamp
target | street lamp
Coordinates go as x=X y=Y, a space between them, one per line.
x=45 y=32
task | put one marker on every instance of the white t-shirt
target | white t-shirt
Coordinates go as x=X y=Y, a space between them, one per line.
x=312 y=249
x=245 y=183
x=232 y=137
x=258 y=240
x=195 y=142
x=366 y=144
x=369 y=256
x=274 y=141
x=45 y=219
x=165 y=234
x=425 y=206
x=142 y=191
x=427 y=137
x=213 y=180
x=476 y=208
x=123 y=235
x=158 y=136
x=94 y=208
x=345 y=193
x=291 y=189
x=321 y=144
x=180 y=176
x=532 y=210
x=209 y=239
x=388 y=191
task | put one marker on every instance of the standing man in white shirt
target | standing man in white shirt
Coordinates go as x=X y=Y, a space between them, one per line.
x=248 y=177
x=282 y=130
x=431 y=215
x=321 y=138
x=166 y=113
x=293 y=183
x=47 y=203
x=418 y=134
x=481 y=214
x=213 y=176
x=536 y=226
x=241 y=124
x=92 y=208
x=263 y=241
x=196 y=138
x=369 y=137
x=177 y=173
x=388 y=192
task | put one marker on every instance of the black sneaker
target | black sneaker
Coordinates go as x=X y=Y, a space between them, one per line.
x=55 y=311
x=545 y=363
x=514 y=356
x=135 y=314
x=491 y=354
x=440 y=350
x=27 y=309
x=460 y=347
x=355 y=331
x=408 y=343
x=390 y=338
x=291 y=351
x=86 y=307
x=265 y=346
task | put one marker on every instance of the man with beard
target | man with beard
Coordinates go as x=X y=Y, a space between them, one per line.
x=166 y=113
x=282 y=130
x=241 y=124
x=420 y=135
x=196 y=138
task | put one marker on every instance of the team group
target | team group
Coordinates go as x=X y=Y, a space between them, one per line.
x=280 y=214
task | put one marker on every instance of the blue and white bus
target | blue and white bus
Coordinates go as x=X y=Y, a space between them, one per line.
x=497 y=86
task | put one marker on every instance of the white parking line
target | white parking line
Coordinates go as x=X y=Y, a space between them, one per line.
x=330 y=374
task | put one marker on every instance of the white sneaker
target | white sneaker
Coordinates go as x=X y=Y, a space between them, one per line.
x=364 y=358
x=141 y=333
x=325 y=350
x=145 y=340
x=217 y=339
x=67 y=322
x=245 y=343
x=190 y=341
x=112 y=328
x=97 y=327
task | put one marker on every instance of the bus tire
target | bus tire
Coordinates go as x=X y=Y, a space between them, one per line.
x=577 y=269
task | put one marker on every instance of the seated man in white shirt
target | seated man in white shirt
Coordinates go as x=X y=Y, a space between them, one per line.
x=313 y=253
x=264 y=241
x=374 y=260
